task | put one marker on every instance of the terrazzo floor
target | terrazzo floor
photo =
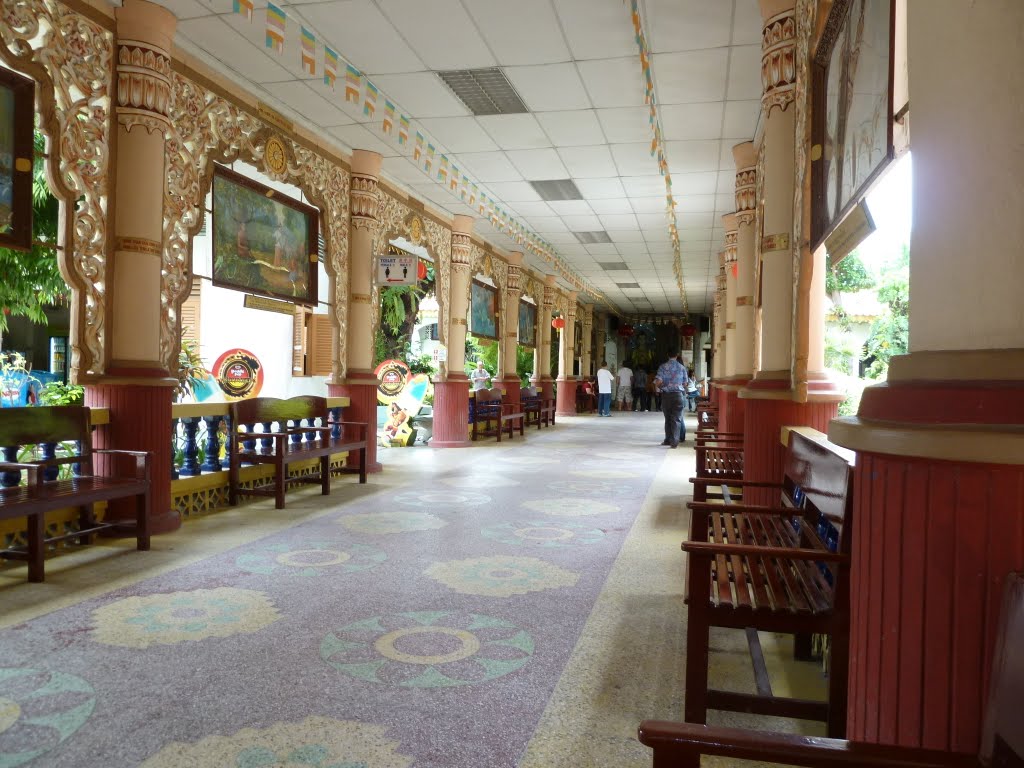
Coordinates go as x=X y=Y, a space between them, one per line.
x=512 y=605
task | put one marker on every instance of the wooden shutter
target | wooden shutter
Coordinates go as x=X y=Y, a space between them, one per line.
x=320 y=350
x=300 y=334
x=190 y=310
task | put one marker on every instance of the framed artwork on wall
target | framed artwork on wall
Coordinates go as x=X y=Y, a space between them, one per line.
x=263 y=242
x=527 y=324
x=17 y=121
x=483 y=310
x=852 y=96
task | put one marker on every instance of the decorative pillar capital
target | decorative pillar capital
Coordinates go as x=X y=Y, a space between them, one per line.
x=570 y=306
x=778 y=54
x=462 y=243
x=145 y=32
x=745 y=155
x=730 y=222
x=549 y=290
x=363 y=199
x=515 y=268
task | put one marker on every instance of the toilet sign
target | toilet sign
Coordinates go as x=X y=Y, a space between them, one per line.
x=439 y=355
x=396 y=270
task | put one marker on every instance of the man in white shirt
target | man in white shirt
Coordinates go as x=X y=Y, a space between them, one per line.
x=604 y=390
x=479 y=376
x=624 y=396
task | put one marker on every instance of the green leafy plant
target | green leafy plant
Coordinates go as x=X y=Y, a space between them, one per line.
x=890 y=335
x=59 y=393
x=191 y=368
x=14 y=373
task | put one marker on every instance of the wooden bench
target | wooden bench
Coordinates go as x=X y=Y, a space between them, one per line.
x=719 y=463
x=491 y=416
x=538 y=409
x=586 y=397
x=284 y=440
x=775 y=569
x=45 y=491
x=680 y=745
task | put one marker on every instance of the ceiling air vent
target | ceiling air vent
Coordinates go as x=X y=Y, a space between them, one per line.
x=612 y=266
x=590 y=238
x=484 y=91
x=628 y=285
x=561 y=189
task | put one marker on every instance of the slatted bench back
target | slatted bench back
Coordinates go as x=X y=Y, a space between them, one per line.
x=49 y=424
x=268 y=410
x=529 y=392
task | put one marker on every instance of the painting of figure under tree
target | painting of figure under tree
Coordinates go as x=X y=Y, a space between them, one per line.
x=262 y=240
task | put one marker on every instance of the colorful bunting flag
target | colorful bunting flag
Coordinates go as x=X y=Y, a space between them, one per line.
x=276 y=22
x=308 y=56
x=389 y=117
x=417 y=151
x=442 y=171
x=472 y=195
x=330 y=67
x=403 y=129
x=242 y=8
x=353 y=83
x=370 y=102
x=455 y=178
x=430 y=157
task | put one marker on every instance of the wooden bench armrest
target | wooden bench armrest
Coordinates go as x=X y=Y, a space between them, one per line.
x=360 y=424
x=746 y=509
x=35 y=477
x=685 y=739
x=710 y=548
x=143 y=460
x=735 y=483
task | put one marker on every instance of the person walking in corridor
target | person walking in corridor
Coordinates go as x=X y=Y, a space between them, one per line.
x=671 y=379
x=604 y=390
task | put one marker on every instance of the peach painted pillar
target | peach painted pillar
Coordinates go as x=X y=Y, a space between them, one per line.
x=509 y=330
x=771 y=399
x=360 y=384
x=565 y=404
x=939 y=499
x=138 y=387
x=587 y=319
x=542 y=376
x=718 y=365
x=745 y=156
x=451 y=396
x=731 y=414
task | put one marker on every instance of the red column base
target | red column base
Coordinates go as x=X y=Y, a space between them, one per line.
x=361 y=390
x=546 y=387
x=763 y=452
x=511 y=386
x=451 y=413
x=565 y=401
x=140 y=420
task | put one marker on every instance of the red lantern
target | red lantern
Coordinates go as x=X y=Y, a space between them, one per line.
x=421 y=270
x=626 y=331
x=558 y=323
x=689 y=330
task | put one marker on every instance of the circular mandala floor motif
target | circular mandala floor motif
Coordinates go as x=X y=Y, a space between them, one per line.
x=570 y=506
x=428 y=649
x=392 y=522
x=431 y=499
x=488 y=481
x=544 y=533
x=604 y=474
x=174 y=617
x=501 y=576
x=316 y=742
x=590 y=488
x=311 y=559
x=38 y=711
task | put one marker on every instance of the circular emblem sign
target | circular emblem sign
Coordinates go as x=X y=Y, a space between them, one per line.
x=275 y=156
x=392 y=376
x=239 y=374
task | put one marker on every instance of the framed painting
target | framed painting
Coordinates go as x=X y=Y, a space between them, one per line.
x=527 y=324
x=263 y=242
x=483 y=313
x=852 y=129
x=17 y=121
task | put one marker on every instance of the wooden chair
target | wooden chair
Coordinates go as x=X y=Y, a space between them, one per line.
x=775 y=569
x=491 y=416
x=586 y=397
x=538 y=410
x=680 y=745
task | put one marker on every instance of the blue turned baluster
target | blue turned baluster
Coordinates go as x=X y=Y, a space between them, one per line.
x=190 y=465
x=267 y=443
x=76 y=468
x=49 y=451
x=250 y=444
x=174 y=449
x=311 y=436
x=12 y=478
x=335 y=423
x=296 y=437
x=212 y=461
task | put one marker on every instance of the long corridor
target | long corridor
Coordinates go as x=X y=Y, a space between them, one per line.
x=512 y=605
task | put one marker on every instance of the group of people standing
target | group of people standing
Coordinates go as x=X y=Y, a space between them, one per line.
x=670 y=390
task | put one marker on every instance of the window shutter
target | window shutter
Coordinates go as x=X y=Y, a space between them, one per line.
x=321 y=345
x=190 y=313
x=299 y=339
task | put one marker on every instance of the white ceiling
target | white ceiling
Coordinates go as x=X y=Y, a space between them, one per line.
x=575 y=64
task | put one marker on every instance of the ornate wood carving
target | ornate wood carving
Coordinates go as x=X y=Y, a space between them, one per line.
x=71 y=60
x=209 y=129
x=778 y=66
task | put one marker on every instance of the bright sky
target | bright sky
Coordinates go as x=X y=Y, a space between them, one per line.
x=889 y=203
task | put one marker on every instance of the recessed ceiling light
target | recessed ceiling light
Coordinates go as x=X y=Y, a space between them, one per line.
x=484 y=91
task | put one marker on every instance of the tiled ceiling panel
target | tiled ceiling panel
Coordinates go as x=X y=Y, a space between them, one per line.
x=613 y=82
x=594 y=28
x=571 y=129
x=431 y=30
x=687 y=25
x=369 y=42
x=514 y=131
x=549 y=88
x=520 y=32
x=421 y=94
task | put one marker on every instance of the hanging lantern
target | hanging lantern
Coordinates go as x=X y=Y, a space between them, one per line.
x=421 y=270
x=626 y=331
x=688 y=330
x=558 y=323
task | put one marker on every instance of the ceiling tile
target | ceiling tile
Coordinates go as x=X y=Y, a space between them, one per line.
x=625 y=124
x=459 y=134
x=440 y=32
x=523 y=32
x=611 y=206
x=726 y=182
x=359 y=137
x=600 y=189
x=703 y=183
x=232 y=49
x=612 y=221
x=372 y=44
x=488 y=167
x=513 y=191
x=692 y=121
x=588 y=162
x=693 y=76
x=696 y=204
x=615 y=82
x=544 y=224
x=740 y=119
x=514 y=131
x=600 y=250
x=582 y=223
x=308 y=103
x=744 y=72
x=686 y=25
x=747 y=23
x=644 y=186
x=420 y=94
x=622 y=237
x=597 y=29
x=635 y=159
x=652 y=221
x=570 y=207
x=403 y=170
x=561 y=238
x=534 y=209
x=186 y=9
x=538 y=164
x=648 y=204
x=549 y=87
x=693 y=156
x=692 y=220
x=576 y=128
